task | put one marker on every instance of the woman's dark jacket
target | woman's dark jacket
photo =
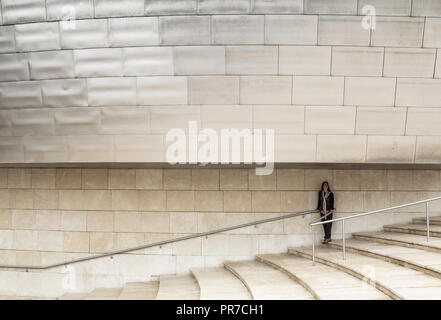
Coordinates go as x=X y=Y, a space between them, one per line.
x=329 y=201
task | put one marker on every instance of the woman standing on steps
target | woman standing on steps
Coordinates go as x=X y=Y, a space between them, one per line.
x=325 y=206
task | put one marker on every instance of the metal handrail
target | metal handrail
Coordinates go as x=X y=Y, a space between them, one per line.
x=160 y=243
x=343 y=219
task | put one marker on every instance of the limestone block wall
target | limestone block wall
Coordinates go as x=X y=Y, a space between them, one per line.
x=108 y=85
x=50 y=215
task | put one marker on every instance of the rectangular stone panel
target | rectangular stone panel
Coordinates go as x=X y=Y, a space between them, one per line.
x=359 y=91
x=43 y=178
x=262 y=182
x=389 y=149
x=124 y=120
x=45 y=149
x=237 y=29
x=432 y=36
x=180 y=200
x=13 y=67
x=111 y=8
x=290 y=179
x=111 y=91
x=77 y=121
x=184 y=30
x=148 y=61
x=94 y=179
x=222 y=7
x=11 y=150
x=199 y=60
x=381 y=120
x=386 y=8
x=342 y=30
x=398 y=32
x=32 y=122
x=423 y=121
x=68 y=178
x=162 y=90
x=342 y=148
x=265 y=89
x=21 y=11
x=304 y=60
x=98 y=62
x=428 y=149
x=317 y=90
x=357 y=61
x=149 y=179
x=409 y=62
x=51 y=64
x=329 y=120
x=20 y=94
x=152 y=200
x=251 y=60
x=164 y=118
x=264 y=201
x=25 y=239
x=277 y=6
x=170 y=7
x=140 y=148
x=19 y=178
x=283 y=119
x=224 y=117
x=64 y=93
x=47 y=220
x=233 y=179
x=325 y=7
x=133 y=31
x=90 y=33
x=69 y=9
x=7 y=39
x=37 y=36
x=87 y=148
x=295 y=148
x=21 y=198
x=290 y=29
x=426 y=8
x=213 y=90
x=418 y=92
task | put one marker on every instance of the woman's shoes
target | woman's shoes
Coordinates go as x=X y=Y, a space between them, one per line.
x=326 y=241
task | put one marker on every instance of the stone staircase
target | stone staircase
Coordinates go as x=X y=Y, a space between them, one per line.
x=397 y=263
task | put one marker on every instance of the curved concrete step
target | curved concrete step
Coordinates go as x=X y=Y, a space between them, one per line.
x=104 y=294
x=219 y=284
x=323 y=281
x=417 y=259
x=24 y=298
x=140 y=291
x=266 y=283
x=74 y=296
x=435 y=221
x=410 y=228
x=401 y=239
x=178 y=287
x=396 y=281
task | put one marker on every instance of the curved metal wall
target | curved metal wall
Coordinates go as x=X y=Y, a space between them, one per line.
x=108 y=85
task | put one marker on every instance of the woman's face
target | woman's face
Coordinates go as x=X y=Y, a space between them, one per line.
x=325 y=187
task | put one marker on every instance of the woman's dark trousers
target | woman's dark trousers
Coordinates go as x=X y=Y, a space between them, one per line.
x=327 y=226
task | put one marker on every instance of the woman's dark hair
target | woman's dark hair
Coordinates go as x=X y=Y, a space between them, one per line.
x=329 y=187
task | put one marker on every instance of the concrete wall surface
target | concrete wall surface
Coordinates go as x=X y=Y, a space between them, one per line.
x=56 y=214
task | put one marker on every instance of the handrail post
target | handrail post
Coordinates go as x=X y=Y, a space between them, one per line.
x=313 y=245
x=343 y=238
x=427 y=222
